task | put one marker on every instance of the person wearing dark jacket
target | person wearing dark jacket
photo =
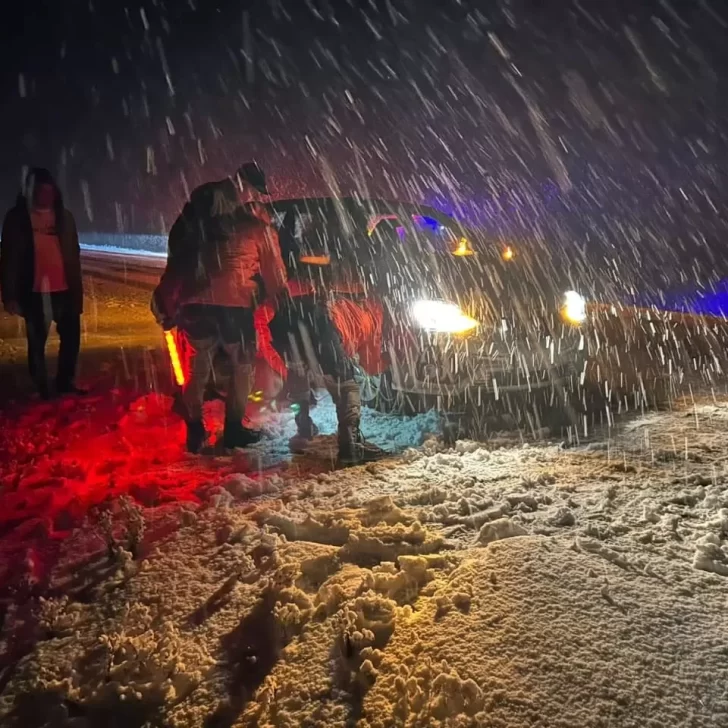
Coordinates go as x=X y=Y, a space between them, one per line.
x=306 y=336
x=40 y=277
x=217 y=248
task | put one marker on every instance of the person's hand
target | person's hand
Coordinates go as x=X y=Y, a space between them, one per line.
x=13 y=308
x=162 y=319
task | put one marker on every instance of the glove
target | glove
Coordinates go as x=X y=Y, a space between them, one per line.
x=165 y=321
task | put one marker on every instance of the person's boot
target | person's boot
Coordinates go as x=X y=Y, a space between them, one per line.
x=196 y=436
x=306 y=430
x=44 y=391
x=355 y=450
x=236 y=435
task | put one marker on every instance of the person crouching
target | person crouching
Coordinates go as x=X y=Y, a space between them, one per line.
x=305 y=335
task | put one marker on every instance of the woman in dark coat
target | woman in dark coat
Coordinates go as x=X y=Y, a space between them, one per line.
x=40 y=277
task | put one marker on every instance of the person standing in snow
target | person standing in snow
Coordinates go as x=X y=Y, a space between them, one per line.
x=306 y=337
x=40 y=276
x=218 y=248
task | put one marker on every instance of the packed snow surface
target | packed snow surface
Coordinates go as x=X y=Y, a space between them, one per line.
x=503 y=583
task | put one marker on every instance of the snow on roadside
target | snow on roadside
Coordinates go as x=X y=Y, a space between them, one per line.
x=152 y=245
x=525 y=585
x=390 y=432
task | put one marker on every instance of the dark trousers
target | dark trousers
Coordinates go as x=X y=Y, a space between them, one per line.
x=306 y=338
x=42 y=310
x=209 y=328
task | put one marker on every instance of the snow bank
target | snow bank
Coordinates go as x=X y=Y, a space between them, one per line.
x=120 y=243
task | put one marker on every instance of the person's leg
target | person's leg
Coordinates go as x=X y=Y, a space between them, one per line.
x=68 y=324
x=353 y=448
x=339 y=372
x=300 y=395
x=291 y=338
x=238 y=336
x=38 y=317
x=201 y=332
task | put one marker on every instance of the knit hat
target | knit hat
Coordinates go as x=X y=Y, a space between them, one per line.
x=251 y=173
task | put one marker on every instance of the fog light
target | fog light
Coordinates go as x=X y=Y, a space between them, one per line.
x=573 y=309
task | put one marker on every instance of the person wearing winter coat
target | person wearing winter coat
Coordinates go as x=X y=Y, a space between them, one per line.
x=218 y=248
x=308 y=334
x=40 y=277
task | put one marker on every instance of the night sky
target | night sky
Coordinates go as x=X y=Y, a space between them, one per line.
x=582 y=118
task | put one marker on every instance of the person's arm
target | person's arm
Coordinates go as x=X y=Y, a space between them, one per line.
x=165 y=298
x=178 y=242
x=272 y=268
x=9 y=252
x=74 y=244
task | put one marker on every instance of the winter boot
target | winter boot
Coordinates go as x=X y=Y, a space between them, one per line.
x=236 y=435
x=306 y=431
x=355 y=450
x=196 y=436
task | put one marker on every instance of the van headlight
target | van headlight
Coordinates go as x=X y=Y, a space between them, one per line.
x=442 y=317
x=573 y=309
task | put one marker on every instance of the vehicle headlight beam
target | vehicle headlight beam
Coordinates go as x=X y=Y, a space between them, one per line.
x=442 y=317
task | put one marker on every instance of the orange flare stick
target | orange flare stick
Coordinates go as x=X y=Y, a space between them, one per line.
x=179 y=375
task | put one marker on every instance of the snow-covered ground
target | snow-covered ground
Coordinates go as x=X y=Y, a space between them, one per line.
x=494 y=584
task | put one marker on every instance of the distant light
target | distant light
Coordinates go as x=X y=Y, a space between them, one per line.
x=508 y=253
x=179 y=375
x=427 y=222
x=463 y=249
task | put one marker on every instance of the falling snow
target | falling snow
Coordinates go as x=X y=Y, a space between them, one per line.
x=553 y=556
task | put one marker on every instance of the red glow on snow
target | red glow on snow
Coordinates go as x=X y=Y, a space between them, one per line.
x=60 y=459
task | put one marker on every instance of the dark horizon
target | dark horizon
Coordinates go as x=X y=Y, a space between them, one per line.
x=534 y=114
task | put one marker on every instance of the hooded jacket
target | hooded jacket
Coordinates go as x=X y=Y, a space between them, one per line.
x=216 y=249
x=17 y=255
